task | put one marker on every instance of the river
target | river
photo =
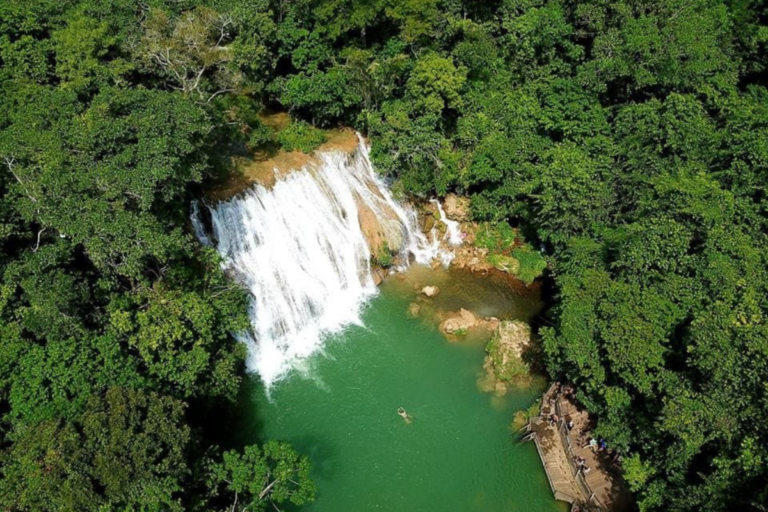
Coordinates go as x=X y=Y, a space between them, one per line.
x=333 y=357
x=457 y=455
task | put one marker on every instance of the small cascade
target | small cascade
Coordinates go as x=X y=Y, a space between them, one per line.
x=453 y=229
x=300 y=249
x=426 y=249
x=197 y=225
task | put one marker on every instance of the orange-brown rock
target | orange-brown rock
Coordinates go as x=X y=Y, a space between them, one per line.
x=464 y=321
x=456 y=207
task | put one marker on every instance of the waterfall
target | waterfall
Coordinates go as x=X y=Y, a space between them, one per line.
x=453 y=229
x=302 y=254
x=198 y=226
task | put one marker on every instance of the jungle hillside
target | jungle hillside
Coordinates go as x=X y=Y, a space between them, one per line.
x=627 y=140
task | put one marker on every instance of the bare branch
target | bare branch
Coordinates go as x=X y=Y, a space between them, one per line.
x=222 y=91
x=39 y=234
x=10 y=162
x=266 y=490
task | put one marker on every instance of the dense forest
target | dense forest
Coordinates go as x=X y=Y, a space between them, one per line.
x=628 y=139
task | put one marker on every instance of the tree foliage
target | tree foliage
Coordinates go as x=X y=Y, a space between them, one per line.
x=630 y=139
x=627 y=139
x=115 y=325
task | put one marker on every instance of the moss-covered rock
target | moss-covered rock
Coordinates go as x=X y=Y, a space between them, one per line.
x=504 y=263
x=383 y=256
x=504 y=362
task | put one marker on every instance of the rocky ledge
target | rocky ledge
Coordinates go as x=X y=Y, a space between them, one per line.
x=506 y=357
x=507 y=351
x=463 y=322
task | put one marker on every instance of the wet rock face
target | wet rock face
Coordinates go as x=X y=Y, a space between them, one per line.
x=378 y=275
x=383 y=230
x=456 y=207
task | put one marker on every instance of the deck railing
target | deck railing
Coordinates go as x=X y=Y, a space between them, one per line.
x=584 y=486
x=558 y=494
x=592 y=500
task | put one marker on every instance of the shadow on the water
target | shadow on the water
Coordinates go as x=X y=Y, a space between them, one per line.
x=244 y=424
x=320 y=454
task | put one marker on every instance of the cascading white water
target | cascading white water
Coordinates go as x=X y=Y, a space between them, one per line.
x=453 y=229
x=301 y=252
x=197 y=225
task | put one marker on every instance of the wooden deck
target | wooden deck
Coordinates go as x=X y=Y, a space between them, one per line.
x=601 y=488
x=555 y=460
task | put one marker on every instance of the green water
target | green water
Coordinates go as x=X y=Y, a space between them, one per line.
x=457 y=455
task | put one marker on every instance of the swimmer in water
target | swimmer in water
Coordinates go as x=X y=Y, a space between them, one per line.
x=403 y=414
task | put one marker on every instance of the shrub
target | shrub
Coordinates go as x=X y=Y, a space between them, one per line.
x=383 y=256
x=300 y=136
x=496 y=237
x=531 y=264
x=260 y=135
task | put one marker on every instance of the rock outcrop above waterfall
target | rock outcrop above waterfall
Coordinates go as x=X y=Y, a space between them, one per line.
x=465 y=254
x=481 y=247
x=265 y=165
x=505 y=363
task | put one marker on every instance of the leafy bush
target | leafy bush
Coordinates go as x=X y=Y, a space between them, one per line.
x=496 y=237
x=504 y=263
x=260 y=135
x=531 y=264
x=300 y=136
x=383 y=256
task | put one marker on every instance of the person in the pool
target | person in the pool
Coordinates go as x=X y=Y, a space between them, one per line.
x=403 y=414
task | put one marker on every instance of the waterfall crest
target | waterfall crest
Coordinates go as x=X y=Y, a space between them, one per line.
x=301 y=250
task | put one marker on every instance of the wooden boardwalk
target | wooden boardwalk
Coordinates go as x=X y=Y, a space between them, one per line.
x=555 y=460
x=600 y=488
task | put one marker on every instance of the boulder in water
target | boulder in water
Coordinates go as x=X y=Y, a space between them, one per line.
x=430 y=291
x=459 y=323
x=414 y=309
x=463 y=322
